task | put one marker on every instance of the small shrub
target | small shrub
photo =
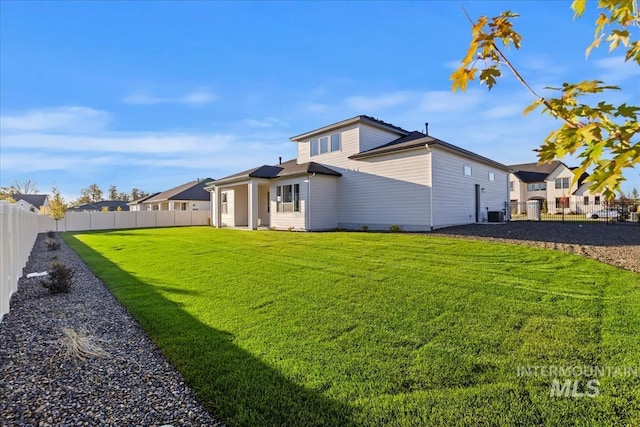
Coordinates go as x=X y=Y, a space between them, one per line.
x=291 y=228
x=395 y=228
x=59 y=279
x=364 y=227
x=51 y=234
x=52 y=245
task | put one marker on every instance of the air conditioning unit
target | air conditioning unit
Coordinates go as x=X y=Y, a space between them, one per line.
x=495 y=216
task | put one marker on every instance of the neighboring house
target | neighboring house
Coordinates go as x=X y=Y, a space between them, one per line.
x=551 y=184
x=363 y=173
x=186 y=197
x=33 y=202
x=108 y=205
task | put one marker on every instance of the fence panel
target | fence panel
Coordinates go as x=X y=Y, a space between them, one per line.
x=18 y=232
x=565 y=210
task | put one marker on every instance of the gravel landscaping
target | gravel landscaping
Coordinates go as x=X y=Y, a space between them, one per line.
x=615 y=244
x=132 y=385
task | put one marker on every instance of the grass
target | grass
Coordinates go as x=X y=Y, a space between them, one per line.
x=277 y=328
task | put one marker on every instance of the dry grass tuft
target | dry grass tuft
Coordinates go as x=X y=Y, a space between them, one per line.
x=80 y=346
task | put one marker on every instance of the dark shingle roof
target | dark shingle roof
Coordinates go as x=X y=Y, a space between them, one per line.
x=112 y=205
x=193 y=190
x=357 y=119
x=35 y=200
x=417 y=139
x=545 y=168
x=142 y=199
x=288 y=168
x=526 y=176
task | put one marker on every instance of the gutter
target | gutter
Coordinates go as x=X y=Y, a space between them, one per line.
x=430 y=152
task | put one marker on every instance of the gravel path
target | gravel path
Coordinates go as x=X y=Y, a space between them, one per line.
x=133 y=386
x=615 y=244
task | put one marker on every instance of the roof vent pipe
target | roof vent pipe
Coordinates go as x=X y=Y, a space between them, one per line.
x=280 y=160
x=426 y=128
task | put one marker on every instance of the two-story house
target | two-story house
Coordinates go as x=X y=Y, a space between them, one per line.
x=363 y=173
x=552 y=184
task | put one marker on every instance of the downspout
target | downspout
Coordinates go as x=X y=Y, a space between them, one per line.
x=430 y=152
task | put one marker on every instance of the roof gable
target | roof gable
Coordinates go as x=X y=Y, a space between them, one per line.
x=193 y=190
x=35 y=200
x=288 y=168
x=354 y=120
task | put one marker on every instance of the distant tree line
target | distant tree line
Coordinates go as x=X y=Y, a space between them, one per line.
x=91 y=194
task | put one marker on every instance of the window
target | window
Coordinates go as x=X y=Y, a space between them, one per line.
x=511 y=185
x=596 y=200
x=335 y=142
x=223 y=202
x=288 y=198
x=492 y=176
x=467 y=170
x=586 y=200
x=183 y=206
x=562 y=183
x=322 y=145
x=537 y=186
x=562 y=202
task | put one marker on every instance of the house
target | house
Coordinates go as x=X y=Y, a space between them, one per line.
x=103 y=205
x=33 y=202
x=552 y=184
x=363 y=173
x=186 y=197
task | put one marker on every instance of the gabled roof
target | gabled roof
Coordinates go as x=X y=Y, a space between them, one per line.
x=288 y=168
x=142 y=199
x=35 y=200
x=545 y=168
x=193 y=190
x=357 y=119
x=526 y=176
x=414 y=140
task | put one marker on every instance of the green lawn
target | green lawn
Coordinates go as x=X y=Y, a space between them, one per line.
x=280 y=328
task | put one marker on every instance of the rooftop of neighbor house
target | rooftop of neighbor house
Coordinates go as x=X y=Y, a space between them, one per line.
x=192 y=190
x=36 y=200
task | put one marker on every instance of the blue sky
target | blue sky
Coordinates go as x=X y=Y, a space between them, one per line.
x=155 y=94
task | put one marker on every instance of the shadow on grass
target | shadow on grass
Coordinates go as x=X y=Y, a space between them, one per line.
x=232 y=384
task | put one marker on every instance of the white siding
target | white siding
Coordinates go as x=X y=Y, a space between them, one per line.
x=372 y=137
x=289 y=220
x=381 y=191
x=454 y=201
x=324 y=202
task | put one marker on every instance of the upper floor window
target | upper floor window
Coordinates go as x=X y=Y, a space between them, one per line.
x=596 y=200
x=492 y=176
x=586 y=200
x=322 y=146
x=562 y=183
x=467 y=170
x=511 y=185
x=536 y=186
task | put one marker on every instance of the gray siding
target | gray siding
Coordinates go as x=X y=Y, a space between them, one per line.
x=455 y=193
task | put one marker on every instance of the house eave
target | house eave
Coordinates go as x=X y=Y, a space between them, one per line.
x=348 y=122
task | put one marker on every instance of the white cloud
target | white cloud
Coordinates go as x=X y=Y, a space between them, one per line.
x=615 y=70
x=194 y=98
x=60 y=119
x=369 y=103
x=267 y=122
x=198 y=97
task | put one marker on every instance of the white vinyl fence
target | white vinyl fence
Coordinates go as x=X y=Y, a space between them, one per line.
x=86 y=221
x=18 y=232
x=19 y=229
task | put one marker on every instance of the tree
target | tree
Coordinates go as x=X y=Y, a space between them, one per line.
x=57 y=206
x=124 y=197
x=635 y=195
x=91 y=194
x=113 y=192
x=603 y=136
x=136 y=194
x=25 y=187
